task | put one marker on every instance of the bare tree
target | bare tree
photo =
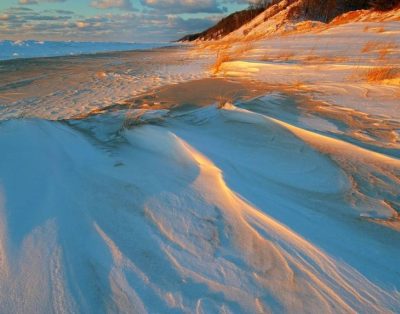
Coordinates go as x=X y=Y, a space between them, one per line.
x=384 y=5
x=258 y=4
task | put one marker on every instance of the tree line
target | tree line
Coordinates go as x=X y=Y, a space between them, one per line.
x=326 y=10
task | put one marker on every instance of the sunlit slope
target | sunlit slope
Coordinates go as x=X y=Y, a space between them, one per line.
x=352 y=62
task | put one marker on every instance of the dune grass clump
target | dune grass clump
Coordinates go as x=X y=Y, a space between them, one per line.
x=222 y=57
x=382 y=73
x=229 y=54
x=383 y=49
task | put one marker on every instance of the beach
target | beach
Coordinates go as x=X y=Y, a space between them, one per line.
x=152 y=182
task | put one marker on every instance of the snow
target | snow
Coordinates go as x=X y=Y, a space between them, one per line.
x=329 y=64
x=62 y=88
x=214 y=209
x=135 y=183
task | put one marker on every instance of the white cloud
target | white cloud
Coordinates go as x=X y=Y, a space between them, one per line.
x=184 y=6
x=26 y=2
x=81 y=24
x=4 y=17
x=108 y=4
x=29 y=2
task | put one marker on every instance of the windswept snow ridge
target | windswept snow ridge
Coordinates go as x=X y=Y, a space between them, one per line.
x=203 y=210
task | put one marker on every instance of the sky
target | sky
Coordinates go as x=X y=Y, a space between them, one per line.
x=110 y=20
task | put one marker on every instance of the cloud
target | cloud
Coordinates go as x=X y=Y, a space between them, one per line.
x=81 y=24
x=155 y=23
x=30 y=2
x=27 y=2
x=184 y=6
x=5 y=17
x=108 y=4
x=67 y=12
x=19 y=10
x=126 y=26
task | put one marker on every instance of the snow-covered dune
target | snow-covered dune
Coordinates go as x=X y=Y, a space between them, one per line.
x=351 y=62
x=200 y=210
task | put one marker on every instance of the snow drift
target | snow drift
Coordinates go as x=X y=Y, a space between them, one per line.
x=198 y=211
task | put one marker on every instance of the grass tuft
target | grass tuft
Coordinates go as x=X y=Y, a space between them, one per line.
x=229 y=54
x=382 y=73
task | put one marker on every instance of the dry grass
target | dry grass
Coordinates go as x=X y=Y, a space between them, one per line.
x=224 y=44
x=370 y=46
x=283 y=56
x=382 y=73
x=374 y=29
x=308 y=59
x=346 y=18
x=253 y=37
x=222 y=57
x=373 y=46
x=323 y=59
x=298 y=85
x=229 y=54
x=381 y=48
x=214 y=45
x=383 y=53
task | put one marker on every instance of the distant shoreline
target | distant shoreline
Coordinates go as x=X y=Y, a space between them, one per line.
x=62 y=87
x=34 y=49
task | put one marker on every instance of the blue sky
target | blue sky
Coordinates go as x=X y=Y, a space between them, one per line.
x=110 y=20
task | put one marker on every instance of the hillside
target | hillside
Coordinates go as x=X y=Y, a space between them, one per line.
x=280 y=14
x=225 y=26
